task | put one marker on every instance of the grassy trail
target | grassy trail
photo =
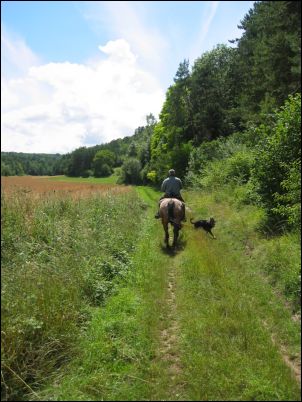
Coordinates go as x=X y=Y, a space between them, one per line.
x=217 y=341
x=194 y=323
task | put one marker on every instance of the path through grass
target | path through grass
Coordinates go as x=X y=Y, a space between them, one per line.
x=193 y=323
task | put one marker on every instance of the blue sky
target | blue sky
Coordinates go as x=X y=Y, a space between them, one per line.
x=81 y=73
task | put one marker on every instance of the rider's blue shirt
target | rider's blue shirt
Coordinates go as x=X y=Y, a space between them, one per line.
x=172 y=186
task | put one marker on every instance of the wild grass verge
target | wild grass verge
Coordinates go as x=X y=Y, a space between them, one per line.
x=234 y=318
x=277 y=256
x=60 y=256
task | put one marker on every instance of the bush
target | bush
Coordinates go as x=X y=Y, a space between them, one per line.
x=103 y=163
x=246 y=194
x=220 y=161
x=238 y=167
x=103 y=171
x=277 y=164
x=131 y=172
x=152 y=176
x=87 y=173
x=235 y=169
x=289 y=203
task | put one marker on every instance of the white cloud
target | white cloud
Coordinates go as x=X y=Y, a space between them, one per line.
x=16 y=56
x=119 y=50
x=57 y=107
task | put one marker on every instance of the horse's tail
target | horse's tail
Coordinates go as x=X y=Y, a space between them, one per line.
x=171 y=211
x=171 y=205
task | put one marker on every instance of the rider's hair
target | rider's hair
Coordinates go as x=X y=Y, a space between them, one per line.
x=171 y=172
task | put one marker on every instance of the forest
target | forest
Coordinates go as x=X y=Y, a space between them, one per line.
x=232 y=117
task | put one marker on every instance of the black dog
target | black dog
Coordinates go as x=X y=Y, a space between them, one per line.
x=206 y=225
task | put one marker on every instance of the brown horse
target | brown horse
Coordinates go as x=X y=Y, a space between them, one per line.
x=171 y=211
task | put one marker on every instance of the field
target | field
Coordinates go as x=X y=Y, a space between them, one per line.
x=94 y=307
x=57 y=239
x=89 y=180
x=59 y=184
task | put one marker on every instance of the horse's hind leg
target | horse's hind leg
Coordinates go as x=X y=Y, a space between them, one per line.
x=176 y=232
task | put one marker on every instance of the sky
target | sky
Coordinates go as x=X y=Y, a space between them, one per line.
x=81 y=73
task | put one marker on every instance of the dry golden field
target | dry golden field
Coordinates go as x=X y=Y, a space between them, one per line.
x=42 y=186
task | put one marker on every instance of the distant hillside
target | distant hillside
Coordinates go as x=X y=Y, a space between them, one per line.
x=81 y=160
x=19 y=163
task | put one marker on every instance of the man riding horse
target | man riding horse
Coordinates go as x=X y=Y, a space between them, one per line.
x=171 y=186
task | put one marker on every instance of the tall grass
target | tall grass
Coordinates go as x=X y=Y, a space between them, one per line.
x=230 y=313
x=276 y=254
x=225 y=314
x=116 y=355
x=279 y=258
x=64 y=257
x=60 y=256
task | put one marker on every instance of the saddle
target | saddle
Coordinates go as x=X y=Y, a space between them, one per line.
x=178 y=197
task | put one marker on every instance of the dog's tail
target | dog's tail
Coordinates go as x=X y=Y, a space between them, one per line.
x=191 y=220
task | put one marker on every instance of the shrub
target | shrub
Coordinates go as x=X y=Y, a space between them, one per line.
x=152 y=176
x=103 y=163
x=289 y=203
x=220 y=161
x=277 y=164
x=238 y=167
x=246 y=194
x=131 y=172
x=87 y=173
x=215 y=174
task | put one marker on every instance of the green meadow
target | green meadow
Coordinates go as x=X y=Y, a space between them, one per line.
x=95 y=307
x=89 y=180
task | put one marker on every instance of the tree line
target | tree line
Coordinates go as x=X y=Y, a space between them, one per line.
x=18 y=164
x=130 y=153
x=229 y=89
